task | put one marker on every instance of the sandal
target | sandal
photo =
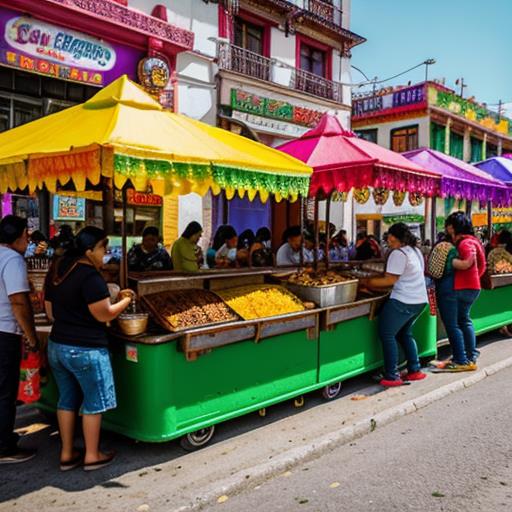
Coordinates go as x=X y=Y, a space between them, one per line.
x=76 y=461
x=93 y=466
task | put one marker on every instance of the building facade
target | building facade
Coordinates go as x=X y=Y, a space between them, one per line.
x=429 y=115
x=56 y=53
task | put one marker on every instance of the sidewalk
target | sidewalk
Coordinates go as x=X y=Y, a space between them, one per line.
x=247 y=450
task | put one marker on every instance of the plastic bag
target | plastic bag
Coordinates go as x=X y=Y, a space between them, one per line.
x=29 y=389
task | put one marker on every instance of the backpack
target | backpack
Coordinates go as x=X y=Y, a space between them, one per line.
x=437 y=260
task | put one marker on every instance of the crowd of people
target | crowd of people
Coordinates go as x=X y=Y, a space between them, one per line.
x=77 y=301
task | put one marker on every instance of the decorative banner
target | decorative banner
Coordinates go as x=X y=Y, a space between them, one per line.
x=380 y=196
x=415 y=199
x=39 y=47
x=398 y=198
x=361 y=195
x=68 y=208
x=470 y=110
x=275 y=109
x=339 y=197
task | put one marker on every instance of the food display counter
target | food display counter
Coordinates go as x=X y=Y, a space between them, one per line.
x=181 y=384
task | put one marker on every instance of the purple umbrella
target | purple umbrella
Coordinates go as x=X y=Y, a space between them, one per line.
x=460 y=179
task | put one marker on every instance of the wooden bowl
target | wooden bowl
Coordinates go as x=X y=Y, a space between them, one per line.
x=133 y=324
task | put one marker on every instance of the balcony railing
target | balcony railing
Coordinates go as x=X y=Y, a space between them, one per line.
x=323 y=9
x=245 y=62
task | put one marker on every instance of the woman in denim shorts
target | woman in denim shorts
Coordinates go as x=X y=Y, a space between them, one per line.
x=78 y=302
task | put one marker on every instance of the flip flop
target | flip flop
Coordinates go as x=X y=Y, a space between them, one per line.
x=73 y=463
x=93 y=466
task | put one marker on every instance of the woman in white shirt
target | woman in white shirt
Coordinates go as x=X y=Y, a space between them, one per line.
x=405 y=269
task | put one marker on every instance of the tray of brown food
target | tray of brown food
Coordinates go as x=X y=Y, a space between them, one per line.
x=179 y=310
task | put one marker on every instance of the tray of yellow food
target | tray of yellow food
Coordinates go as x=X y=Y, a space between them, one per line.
x=324 y=289
x=178 y=310
x=261 y=301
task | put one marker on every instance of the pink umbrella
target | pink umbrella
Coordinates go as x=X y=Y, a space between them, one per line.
x=342 y=161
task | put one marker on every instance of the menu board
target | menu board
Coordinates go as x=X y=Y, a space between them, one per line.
x=68 y=208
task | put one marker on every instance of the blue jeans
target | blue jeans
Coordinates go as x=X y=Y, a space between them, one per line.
x=84 y=378
x=454 y=308
x=395 y=326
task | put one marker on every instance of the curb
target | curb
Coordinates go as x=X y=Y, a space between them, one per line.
x=258 y=474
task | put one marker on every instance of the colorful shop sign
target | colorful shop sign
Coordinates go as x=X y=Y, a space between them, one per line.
x=68 y=208
x=134 y=198
x=36 y=46
x=470 y=110
x=274 y=109
x=394 y=101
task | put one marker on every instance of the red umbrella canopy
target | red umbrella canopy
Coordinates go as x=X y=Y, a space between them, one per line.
x=342 y=161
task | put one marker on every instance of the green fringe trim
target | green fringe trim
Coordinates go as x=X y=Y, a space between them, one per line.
x=223 y=176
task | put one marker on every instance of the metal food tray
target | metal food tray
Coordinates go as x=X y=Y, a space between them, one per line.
x=162 y=321
x=326 y=295
x=499 y=280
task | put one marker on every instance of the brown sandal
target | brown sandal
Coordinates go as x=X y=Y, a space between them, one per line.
x=73 y=463
x=93 y=466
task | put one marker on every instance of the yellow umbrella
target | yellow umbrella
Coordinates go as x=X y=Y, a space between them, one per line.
x=123 y=133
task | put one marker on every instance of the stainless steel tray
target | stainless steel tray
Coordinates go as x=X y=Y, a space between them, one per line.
x=326 y=295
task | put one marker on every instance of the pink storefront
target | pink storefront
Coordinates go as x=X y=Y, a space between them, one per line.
x=56 y=53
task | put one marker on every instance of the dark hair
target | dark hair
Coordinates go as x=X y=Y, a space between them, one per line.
x=66 y=231
x=246 y=239
x=218 y=238
x=37 y=237
x=402 y=233
x=11 y=228
x=460 y=223
x=228 y=233
x=192 y=229
x=151 y=231
x=361 y=235
x=505 y=238
x=263 y=235
x=291 y=232
x=86 y=240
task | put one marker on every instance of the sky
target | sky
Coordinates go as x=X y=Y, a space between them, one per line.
x=468 y=38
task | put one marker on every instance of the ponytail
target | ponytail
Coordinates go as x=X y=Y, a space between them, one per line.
x=402 y=233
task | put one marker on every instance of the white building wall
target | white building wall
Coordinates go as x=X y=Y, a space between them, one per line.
x=282 y=47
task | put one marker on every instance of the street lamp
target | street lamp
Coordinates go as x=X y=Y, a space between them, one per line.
x=428 y=62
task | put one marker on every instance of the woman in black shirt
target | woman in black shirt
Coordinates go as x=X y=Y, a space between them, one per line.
x=77 y=300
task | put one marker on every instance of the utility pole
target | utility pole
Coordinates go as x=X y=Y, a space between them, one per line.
x=500 y=107
x=460 y=81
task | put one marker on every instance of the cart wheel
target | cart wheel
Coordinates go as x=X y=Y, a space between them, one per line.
x=299 y=402
x=197 y=439
x=332 y=391
x=262 y=412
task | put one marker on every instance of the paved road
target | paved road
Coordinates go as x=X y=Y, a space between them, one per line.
x=452 y=456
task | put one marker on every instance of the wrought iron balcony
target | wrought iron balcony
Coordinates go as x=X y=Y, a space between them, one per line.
x=324 y=10
x=245 y=62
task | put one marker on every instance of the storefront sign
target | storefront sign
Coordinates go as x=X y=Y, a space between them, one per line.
x=276 y=109
x=142 y=199
x=154 y=73
x=36 y=46
x=405 y=97
x=68 y=208
x=272 y=126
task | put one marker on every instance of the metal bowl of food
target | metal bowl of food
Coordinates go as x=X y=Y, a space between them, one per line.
x=133 y=324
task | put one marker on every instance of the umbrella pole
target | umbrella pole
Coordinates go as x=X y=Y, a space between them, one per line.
x=317 y=237
x=327 y=230
x=489 y=219
x=301 y=255
x=433 y=222
x=124 y=259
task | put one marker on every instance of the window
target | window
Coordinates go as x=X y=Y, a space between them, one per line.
x=249 y=36
x=404 y=139
x=369 y=135
x=313 y=60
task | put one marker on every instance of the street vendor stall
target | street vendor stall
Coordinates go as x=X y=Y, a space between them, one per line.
x=342 y=162
x=486 y=184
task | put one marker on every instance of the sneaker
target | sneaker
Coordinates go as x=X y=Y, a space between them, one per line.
x=388 y=383
x=17 y=456
x=455 y=367
x=416 y=376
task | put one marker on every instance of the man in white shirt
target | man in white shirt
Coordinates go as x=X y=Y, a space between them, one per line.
x=16 y=318
x=288 y=254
